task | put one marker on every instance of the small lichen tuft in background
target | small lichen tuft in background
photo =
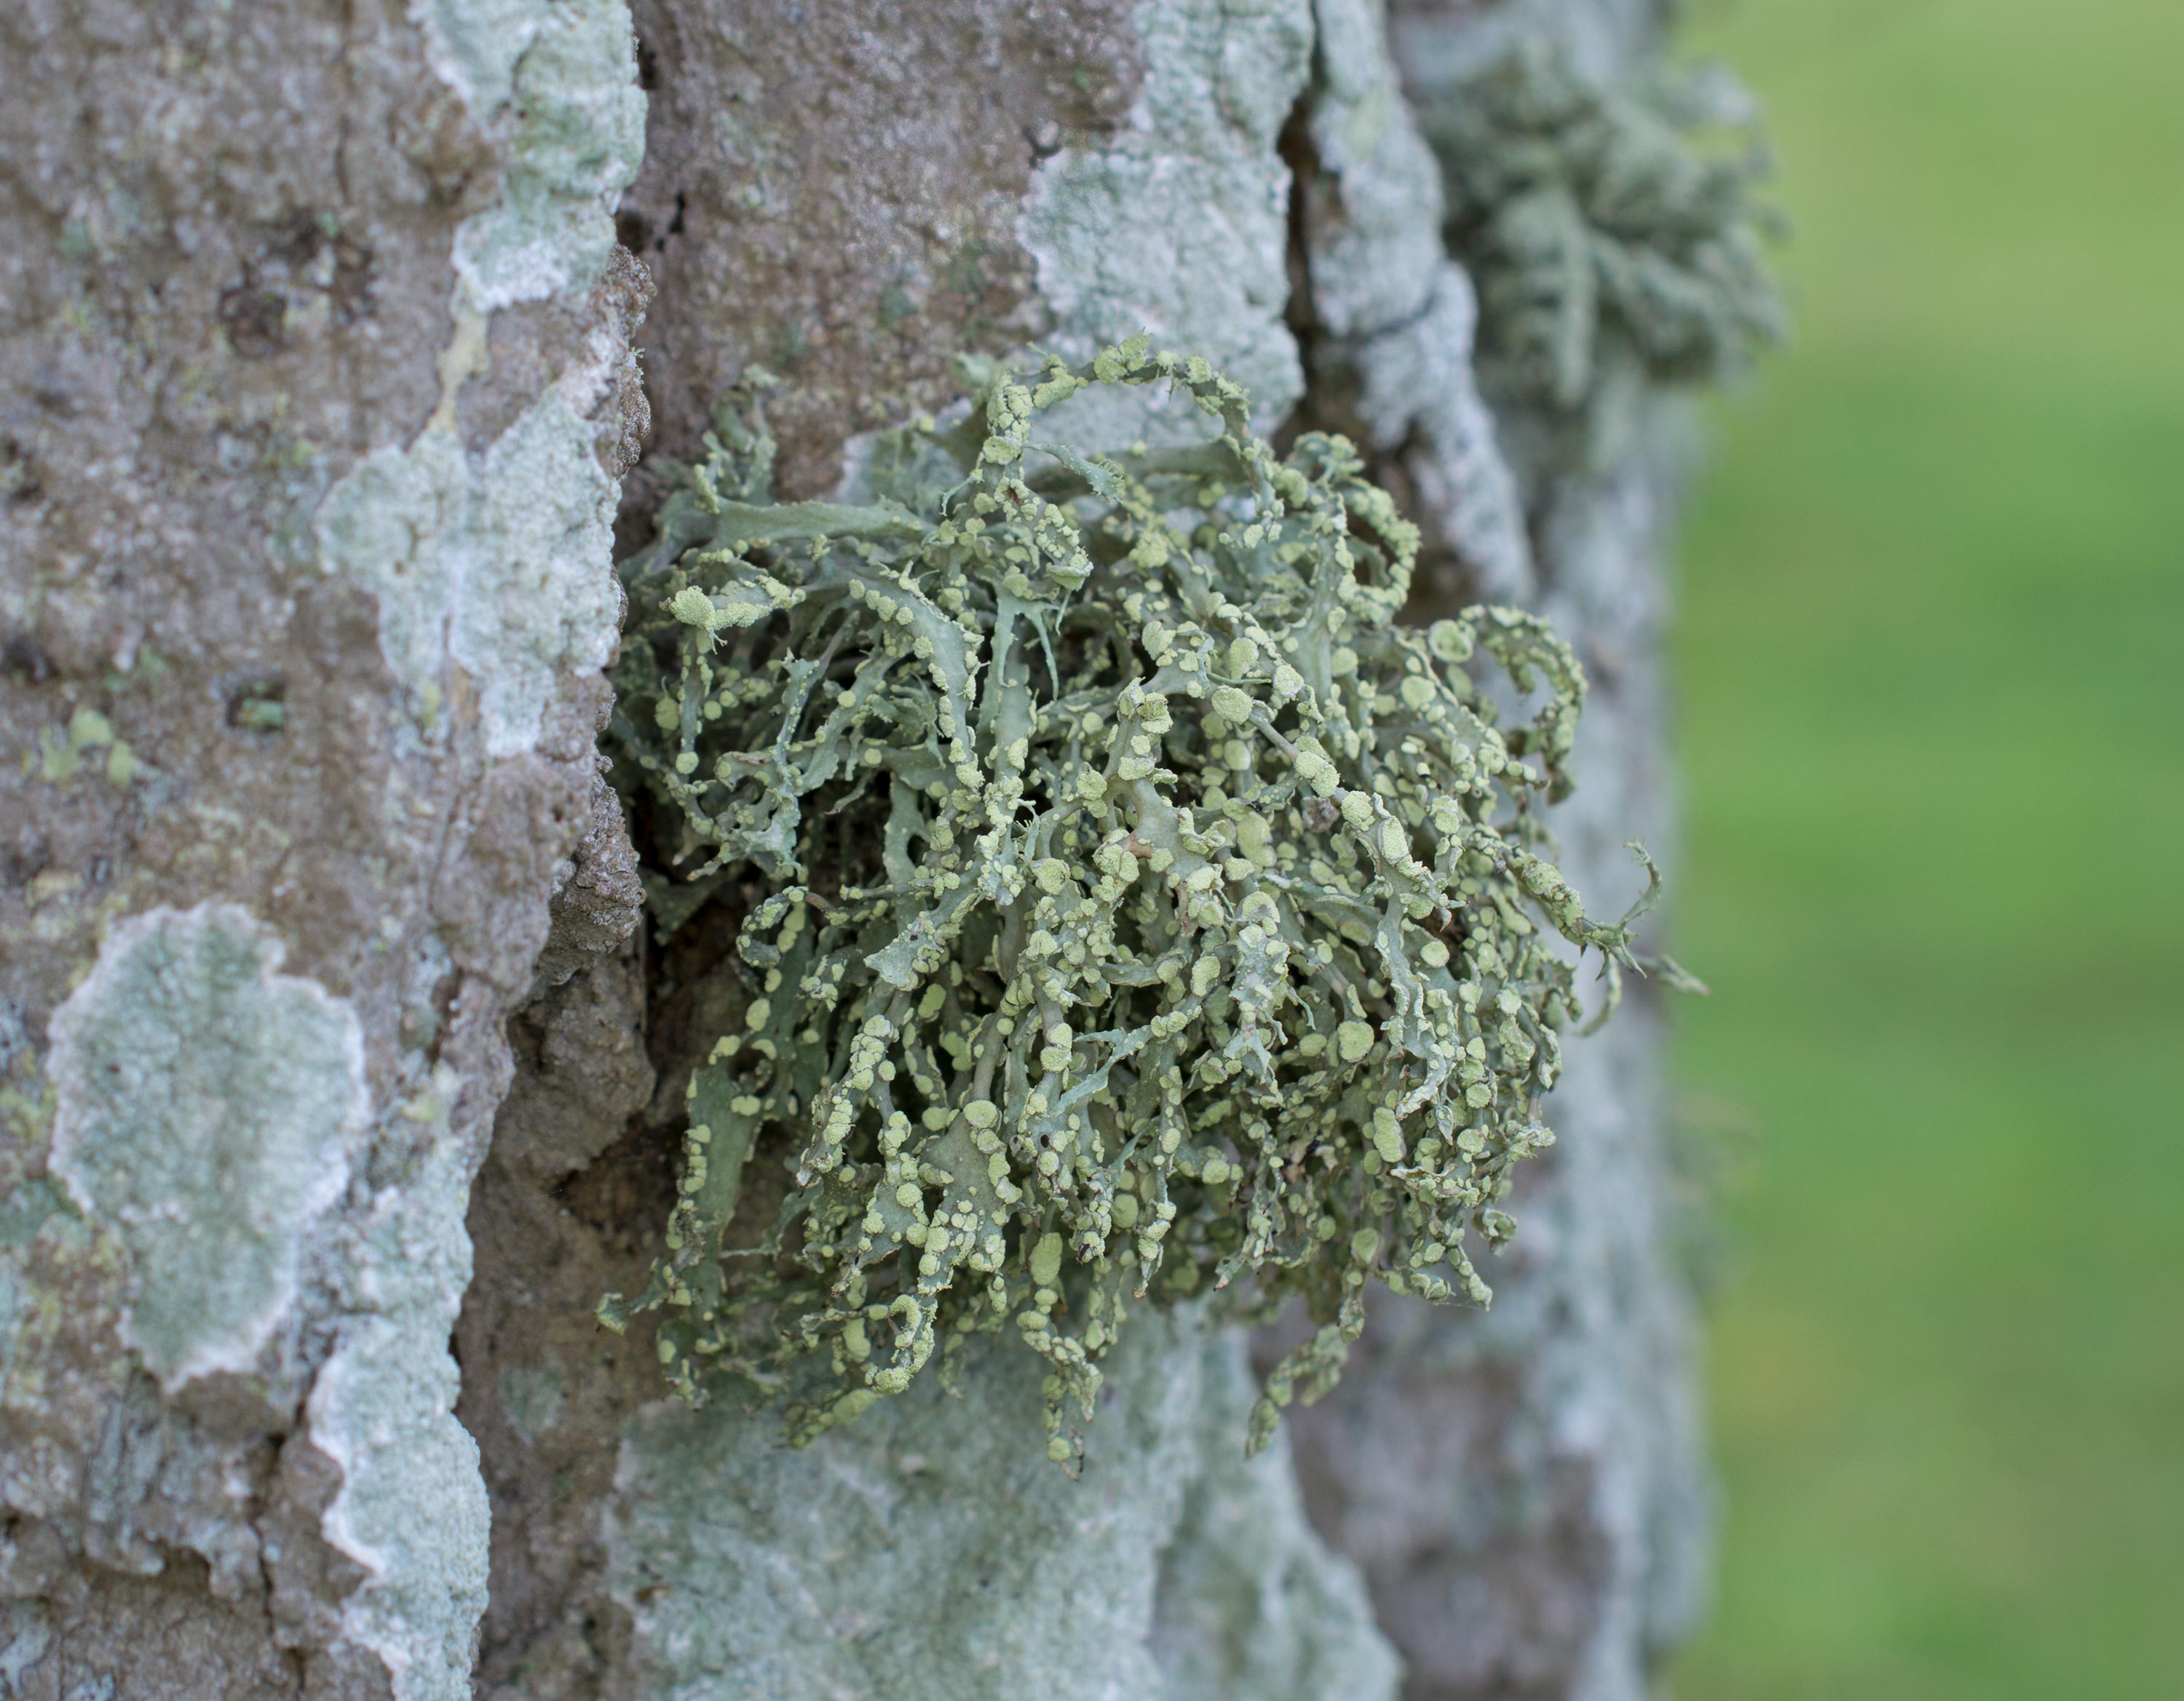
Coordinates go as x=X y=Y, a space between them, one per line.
x=1132 y=908
x=1614 y=230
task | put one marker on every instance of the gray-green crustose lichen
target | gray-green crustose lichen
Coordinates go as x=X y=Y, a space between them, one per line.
x=1606 y=234
x=1135 y=907
x=207 y=1110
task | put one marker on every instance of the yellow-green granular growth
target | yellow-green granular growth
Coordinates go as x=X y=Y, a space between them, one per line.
x=1141 y=909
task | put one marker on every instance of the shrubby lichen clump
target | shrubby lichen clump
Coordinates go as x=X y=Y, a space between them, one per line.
x=1611 y=239
x=1135 y=907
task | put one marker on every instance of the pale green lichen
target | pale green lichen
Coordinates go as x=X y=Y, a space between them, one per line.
x=60 y=753
x=1133 y=905
x=412 y=1512
x=1173 y=1570
x=498 y=564
x=1605 y=231
x=1119 y=228
x=206 y=1108
x=563 y=79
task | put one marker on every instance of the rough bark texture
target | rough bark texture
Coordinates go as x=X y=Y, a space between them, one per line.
x=316 y=393
x=1525 y=1489
x=315 y=365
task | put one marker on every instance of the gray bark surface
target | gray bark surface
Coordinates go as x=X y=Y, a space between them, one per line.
x=337 y=1081
x=317 y=392
x=1526 y=1488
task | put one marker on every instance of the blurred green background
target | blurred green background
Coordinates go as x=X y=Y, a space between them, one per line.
x=1933 y=730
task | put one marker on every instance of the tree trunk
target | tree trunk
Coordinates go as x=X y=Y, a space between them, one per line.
x=338 y=1080
x=1525 y=1488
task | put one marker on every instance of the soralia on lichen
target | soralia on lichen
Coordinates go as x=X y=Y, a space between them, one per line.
x=1134 y=907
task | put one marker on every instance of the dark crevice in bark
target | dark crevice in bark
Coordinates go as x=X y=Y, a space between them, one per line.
x=1329 y=403
x=1294 y=146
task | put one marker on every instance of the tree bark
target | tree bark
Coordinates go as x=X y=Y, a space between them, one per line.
x=1525 y=1488
x=338 y=1082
